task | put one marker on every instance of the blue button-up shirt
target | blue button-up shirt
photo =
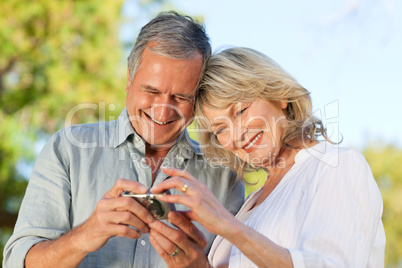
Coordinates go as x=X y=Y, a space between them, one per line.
x=79 y=164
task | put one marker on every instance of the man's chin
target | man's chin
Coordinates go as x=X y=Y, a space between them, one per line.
x=163 y=138
x=160 y=143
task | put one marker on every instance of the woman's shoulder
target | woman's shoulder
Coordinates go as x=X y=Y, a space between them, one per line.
x=328 y=154
x=338 y=165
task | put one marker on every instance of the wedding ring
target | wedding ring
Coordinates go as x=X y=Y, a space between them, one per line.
x=174 y=254
x=184 y=189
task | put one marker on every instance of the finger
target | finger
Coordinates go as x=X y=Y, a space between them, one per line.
x=124 y=210
x=181 y=184
x=120 y=230
x=189 y=201
x=126 y=231
x=188 y=214
x=127 y=218
x=173 y=182
x=122 y=185
x=126 y=204
x=168 y=238
x=184 y=224
x=137 y=209
x=109 y=224
x=159 y=249
x=178 y=173
x=189 y=254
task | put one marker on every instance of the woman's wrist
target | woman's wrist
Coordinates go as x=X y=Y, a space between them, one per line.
x=231 y=228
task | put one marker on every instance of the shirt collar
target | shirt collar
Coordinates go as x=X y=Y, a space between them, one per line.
x=184 y=146
x=123 y=129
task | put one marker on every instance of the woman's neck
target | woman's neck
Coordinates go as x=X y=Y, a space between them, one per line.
x=278 y=169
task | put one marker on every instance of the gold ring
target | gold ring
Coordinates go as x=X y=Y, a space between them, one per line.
x=184 y=189
x=174 y=254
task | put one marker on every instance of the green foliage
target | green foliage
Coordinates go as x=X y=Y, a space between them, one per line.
x=54 y=56
x=385 y=162
x=61 y=63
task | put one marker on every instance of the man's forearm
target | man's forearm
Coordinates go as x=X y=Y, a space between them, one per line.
x=62 y=252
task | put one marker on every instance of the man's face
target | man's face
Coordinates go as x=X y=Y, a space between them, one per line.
x=160 y=98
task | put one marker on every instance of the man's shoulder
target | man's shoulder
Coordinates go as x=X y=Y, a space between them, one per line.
x=91 y=128
x=85 y=135
x=195 y=146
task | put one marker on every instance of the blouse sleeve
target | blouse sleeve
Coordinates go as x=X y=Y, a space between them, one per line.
x=341 y=225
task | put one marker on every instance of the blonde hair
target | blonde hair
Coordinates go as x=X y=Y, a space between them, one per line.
x=243 y=75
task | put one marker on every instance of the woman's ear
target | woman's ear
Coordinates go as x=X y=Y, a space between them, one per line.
x=283 y=104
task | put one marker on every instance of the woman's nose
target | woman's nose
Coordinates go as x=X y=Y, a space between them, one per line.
x=238 y=136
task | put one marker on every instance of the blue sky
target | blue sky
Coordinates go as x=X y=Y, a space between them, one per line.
x=346 y=53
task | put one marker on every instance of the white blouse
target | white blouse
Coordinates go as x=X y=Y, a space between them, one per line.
x=326 y=211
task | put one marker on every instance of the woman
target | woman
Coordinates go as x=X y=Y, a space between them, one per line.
x=319 y=206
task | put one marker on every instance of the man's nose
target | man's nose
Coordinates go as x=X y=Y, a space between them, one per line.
x=164 y=110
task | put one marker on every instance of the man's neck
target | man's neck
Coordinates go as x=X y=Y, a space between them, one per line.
x=154 y=158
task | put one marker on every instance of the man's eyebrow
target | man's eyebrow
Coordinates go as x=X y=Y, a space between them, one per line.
x=189 y=96
x=148 y=87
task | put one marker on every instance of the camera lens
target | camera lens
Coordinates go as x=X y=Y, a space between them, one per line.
x=156 y=208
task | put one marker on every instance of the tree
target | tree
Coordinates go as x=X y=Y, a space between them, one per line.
x=61 y=63
x=54 y=56
x=385 y=162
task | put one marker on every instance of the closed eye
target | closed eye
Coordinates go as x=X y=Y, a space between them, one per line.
x=150 y=89
x=241 y=111
x=183 y=99
x=218 y=131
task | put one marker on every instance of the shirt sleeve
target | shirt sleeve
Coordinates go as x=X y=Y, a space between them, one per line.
x=44 y=212
x=345 y=213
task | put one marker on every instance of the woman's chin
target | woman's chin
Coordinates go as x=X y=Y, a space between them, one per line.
x=258 y=160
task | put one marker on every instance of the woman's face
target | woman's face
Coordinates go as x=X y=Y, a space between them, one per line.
x=252 y=131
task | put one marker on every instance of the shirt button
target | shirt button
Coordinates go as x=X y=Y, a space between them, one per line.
x=143 y=243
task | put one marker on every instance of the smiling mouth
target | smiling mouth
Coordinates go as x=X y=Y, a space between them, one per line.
x=253 y=141
x=158 y=122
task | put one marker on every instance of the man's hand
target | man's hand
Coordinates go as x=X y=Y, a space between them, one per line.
x=183 y=247
x=112 y=216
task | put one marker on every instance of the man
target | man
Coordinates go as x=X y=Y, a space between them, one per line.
x=73 y=214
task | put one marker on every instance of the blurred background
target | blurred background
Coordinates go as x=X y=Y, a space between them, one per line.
x=64 y=62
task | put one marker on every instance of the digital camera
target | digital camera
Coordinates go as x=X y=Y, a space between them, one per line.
x=157 y=208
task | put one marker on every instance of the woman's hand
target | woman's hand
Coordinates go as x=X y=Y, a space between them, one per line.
x=204 y=207
x=207 y=210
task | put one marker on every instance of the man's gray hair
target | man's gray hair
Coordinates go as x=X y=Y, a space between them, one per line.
x=172 y=35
